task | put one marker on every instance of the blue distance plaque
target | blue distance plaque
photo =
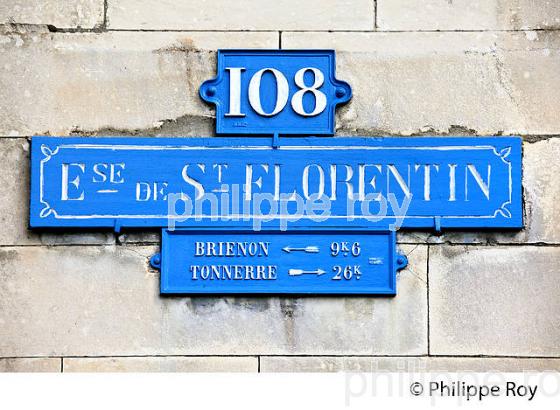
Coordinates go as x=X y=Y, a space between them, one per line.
x=353 y=183
x=227 y=262
x=275 y=92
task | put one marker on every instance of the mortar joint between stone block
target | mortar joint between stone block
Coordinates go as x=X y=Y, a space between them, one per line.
x=105 y=9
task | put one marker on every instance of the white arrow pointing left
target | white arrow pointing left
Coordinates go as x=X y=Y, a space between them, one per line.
x=307 y=249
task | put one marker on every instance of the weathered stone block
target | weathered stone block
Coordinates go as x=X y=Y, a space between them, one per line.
x=242 y=15
x=491 y=364
x=129 y=236
x=14 y=203
x=405 y=364
x=467 y=14
x=161 y=364
x=28 y=365
x=439 y=83
x=104 y=301
x=494 y=300
x=111 y=83
x=541 y=191
x=58 y=13
x=147 y=83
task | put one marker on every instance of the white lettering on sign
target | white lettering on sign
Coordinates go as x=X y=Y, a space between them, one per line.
x=108 y=172
x=305 y=181
x=231 y=249
x=336 y=181
x=75 y=182
x=427 y=177
x=234 y=272
x=282 y=92
x=189 y=180
x=105 y=176
x=483 y=185
x=452 y=188
x=156 y=191
x=332 y=181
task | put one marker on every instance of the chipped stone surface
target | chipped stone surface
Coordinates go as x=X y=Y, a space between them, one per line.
x=242 y=15
x=438 y=83
x=152 y=236
x=14 y=203
x=542 y=190
x=27 y=365
x=104 y=301
x=111 y=83
x=405 y=364
x=494 y=300
x=467 y=14
x=58 y=13
x=161 y=364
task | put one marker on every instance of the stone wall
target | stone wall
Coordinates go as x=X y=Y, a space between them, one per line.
x=88 y=300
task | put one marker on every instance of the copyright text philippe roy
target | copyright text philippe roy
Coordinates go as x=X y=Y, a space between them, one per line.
x=473 y=391
x=460 y=387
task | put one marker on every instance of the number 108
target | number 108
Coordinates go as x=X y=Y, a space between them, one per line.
x=282 y=93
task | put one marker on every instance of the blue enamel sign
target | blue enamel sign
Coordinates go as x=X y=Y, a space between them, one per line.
x=302 y=214
x=273 y=262
x=275 y=92
x=354 y=183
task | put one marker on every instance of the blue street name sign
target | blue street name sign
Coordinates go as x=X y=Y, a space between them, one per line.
x=273 y=262
x=275 y=92
x=341 y=183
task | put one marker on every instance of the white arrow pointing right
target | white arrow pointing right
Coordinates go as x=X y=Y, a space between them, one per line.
x=298 y=272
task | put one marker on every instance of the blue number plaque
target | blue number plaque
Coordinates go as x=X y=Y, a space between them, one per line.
x=275 y=92
x=274 y=262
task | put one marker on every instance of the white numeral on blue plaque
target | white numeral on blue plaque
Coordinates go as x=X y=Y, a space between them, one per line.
x=320 y=97
x=282 y=93
x=235 y=92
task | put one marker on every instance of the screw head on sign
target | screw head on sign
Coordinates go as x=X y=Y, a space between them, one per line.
x=155 y=261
